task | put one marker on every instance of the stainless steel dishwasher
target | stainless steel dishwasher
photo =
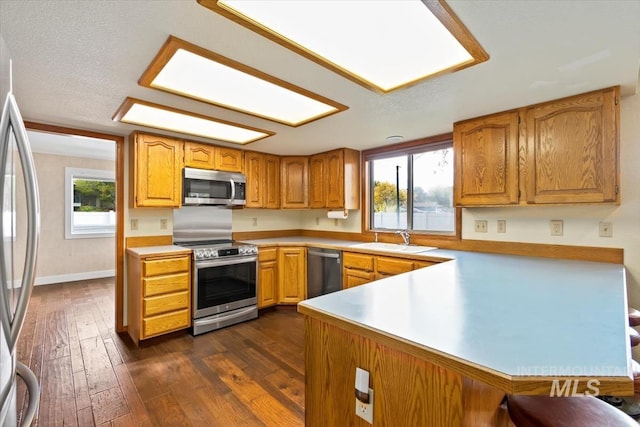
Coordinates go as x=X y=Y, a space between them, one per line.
x=324 y=271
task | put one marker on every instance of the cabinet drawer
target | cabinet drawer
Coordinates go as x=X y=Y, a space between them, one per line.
x=352 y=278
x=357 y=261
x=390 y=266
x=165 y=303
x=166 y=323
x=267 y=254
x=156 y=267
x=164 y=284
x=422 y=264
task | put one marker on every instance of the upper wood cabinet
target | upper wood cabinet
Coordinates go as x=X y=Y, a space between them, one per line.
x=294 y=182
x=334 y=180
x=155 y=171
x=572 y=149
x=263 y=180
x=205 y=156
x=486 y=160
x=563 y=151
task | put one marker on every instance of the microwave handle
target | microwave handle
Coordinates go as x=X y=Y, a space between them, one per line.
x=233 y=190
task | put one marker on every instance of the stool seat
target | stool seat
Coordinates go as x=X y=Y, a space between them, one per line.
x=634 y=336
x=578 y=411
x=634 y=317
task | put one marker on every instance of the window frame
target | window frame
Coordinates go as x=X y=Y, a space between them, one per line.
x=406 y=149
x=70 y=174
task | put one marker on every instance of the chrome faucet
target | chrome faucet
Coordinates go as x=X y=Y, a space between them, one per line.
x=405 y=236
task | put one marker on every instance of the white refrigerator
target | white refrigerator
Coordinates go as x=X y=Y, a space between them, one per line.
x=19 y=227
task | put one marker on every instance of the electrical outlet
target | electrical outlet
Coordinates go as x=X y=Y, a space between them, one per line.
x=254 y=222
x=317 y=220
x=502 y=226
x=480 y=226
x=134 y=224
x=335 y=222
x=163 y=224
x=365 y=410
x=606 y=229
x=556 y=227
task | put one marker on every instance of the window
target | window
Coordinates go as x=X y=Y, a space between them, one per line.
x=424 y=177
x=90 y=196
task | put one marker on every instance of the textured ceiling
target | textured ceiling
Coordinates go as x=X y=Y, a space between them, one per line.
x=76 y=61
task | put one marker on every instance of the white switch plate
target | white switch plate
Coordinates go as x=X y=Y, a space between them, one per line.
x=556 y=227
x=480 y=226
x=134 y=224
x=163 y=224
x=254 y=222
x=502 y=226
x=606 y=229
x=365 y=410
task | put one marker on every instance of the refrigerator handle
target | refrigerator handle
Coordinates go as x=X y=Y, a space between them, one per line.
x=33 y=388
x=16 y=123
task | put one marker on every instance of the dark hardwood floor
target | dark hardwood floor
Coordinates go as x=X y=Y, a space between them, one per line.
x=249 y=374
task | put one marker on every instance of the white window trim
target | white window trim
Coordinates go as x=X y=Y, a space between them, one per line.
x=69 y=174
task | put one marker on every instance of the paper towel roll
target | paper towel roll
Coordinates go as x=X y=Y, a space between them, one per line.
x=338 y=214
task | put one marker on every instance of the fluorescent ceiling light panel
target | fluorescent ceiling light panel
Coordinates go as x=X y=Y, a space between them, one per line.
x=381 y=44
x=189 y=70
x=135 y=111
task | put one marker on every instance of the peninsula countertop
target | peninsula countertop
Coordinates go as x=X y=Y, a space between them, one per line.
x=515 y=322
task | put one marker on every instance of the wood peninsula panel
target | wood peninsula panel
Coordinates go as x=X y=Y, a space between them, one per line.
x=572 y=149
x=408 y=391
x=141 y=241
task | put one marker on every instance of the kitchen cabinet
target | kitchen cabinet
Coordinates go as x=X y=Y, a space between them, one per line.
x=212 y=157
x=263 y=180
x=387 y=266
x=562 y=151
x=334 y=180
x=294 y=182
x=159 y=293
x=292 y=274
x=267 y=277
x=359 y=268
x=155 y=171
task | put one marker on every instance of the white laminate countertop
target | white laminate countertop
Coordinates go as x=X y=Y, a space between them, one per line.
x=158 y=250
x=516 y=315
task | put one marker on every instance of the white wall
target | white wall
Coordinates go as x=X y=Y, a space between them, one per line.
x=316 y=219
x=531 y=224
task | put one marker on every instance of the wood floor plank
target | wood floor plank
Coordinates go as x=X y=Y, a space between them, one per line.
x=131 y=396
x=57 y=401
x=108 y=405
x=124 y=421
x=85 y=417
x=165 y=411
x=100 y=374
x=56 y=342
x=81 y=390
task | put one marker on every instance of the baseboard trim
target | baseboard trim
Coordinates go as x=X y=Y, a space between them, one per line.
x=73 y=277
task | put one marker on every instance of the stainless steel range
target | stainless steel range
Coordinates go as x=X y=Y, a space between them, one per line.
x=224 y=272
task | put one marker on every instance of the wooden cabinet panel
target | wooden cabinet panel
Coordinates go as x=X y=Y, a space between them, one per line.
x=201 y=156
x=392 y=266
x=292 y=275
x=486 y=160
x=271 y=187
x=165 y=303
x=422 y=264
x=156 y=171
x=295 y=182
x=334 y=181
x=160 y=285
x=352 y=278
x=156 y=267
x=228 y=159
x=163 y=323
x=267 y=277
x=317 y=184
x=572 y=149
x=254 y=170
x=358 y=261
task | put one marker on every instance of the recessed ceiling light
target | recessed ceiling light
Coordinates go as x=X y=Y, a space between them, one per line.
x=383 y=45
x=395 y=138
x=192 y=71
x=135 y=111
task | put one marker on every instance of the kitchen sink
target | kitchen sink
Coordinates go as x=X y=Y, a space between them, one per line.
x=392 y=247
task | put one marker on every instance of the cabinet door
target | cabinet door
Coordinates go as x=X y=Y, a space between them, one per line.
x=157 y=171
x=228 y=159
x=254 y=170
x=392 y=266
x=486 y=160
x=317 y=184
x=334 y=181
x=295 y=182
x=572 y=149
x=358 y=261
x=267 y=283
x=271 y=182
x=201 y=156
x=292 y=275
x=352 y=278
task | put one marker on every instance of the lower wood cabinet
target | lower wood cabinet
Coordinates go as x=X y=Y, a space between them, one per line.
x=159 y=293
x=358 y=268
x=267 y=277
x=292 y=275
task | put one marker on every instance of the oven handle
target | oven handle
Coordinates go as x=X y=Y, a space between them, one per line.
x=221 y=316
x=225 y=261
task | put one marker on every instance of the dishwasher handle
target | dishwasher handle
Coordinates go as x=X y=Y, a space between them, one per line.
x=323 y=254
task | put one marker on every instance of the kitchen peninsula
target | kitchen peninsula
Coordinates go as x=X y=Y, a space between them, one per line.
x=444 y=344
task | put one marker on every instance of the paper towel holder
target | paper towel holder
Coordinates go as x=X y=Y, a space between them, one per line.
x=342 y=214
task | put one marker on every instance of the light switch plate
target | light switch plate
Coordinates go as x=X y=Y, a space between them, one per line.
x=502 y=226
x=606 y=229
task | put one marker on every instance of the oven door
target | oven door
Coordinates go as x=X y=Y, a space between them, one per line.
x=223 y=284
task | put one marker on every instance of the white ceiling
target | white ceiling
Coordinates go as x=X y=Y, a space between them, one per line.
x=71 y=145
x=76 y=61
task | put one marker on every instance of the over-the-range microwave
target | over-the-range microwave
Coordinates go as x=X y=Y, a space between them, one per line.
x=207 y=187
